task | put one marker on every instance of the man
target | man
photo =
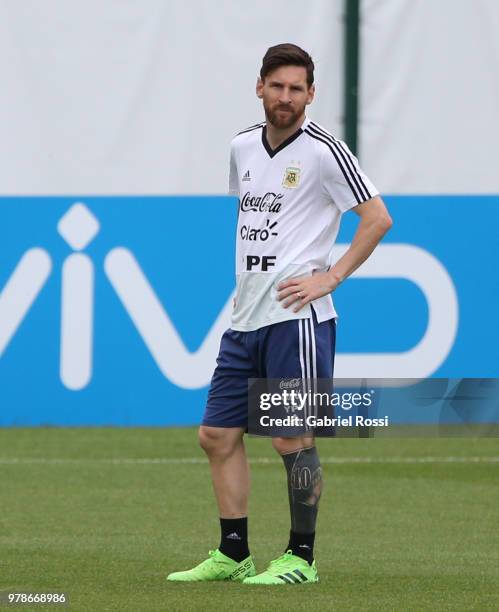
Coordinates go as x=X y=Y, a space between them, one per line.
x=294 y=180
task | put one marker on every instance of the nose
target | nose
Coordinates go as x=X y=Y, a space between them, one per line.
x=285 y=97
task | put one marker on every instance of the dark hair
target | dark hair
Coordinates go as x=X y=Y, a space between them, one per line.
x=287 y=54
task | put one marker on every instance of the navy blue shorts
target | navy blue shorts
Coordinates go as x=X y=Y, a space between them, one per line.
x=291 y=349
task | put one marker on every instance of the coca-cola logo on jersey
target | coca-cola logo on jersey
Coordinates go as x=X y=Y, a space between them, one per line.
x=270 y=202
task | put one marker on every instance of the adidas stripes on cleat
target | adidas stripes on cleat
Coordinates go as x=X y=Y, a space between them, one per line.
x=287 y=569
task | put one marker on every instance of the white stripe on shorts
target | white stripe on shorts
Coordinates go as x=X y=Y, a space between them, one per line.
x=302 y=354
x=314 y=365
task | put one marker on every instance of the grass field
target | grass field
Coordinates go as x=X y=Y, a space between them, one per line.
x=106 y=514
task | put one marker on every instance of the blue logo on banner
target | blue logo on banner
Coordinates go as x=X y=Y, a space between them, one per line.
x=112 y=308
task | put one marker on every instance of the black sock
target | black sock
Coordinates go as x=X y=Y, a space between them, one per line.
x=304 y=491
x=234 y=538
x=302 y=545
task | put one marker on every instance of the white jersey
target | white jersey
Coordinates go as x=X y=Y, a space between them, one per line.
x=290 y=204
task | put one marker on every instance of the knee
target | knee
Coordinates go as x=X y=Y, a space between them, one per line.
x=217 y=441
x=291 y=445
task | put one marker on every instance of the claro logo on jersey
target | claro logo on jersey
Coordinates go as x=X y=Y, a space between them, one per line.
x=269 y=202
x=258 y=233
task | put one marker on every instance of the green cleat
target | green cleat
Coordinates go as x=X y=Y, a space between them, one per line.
x=217 y=567
x=287 y=569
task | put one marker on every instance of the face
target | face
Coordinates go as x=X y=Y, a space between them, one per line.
x=285 y=94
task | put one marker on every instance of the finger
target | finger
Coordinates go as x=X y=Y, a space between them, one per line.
x=288 y=283
x=302 y=303
x=295 y=297
x=289 y=291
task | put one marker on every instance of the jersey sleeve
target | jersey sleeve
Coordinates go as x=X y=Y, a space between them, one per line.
x=233 y=176
x=342 y=178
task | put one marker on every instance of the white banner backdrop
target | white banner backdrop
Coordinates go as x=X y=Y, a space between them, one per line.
x=429 y=96
x=127 y=97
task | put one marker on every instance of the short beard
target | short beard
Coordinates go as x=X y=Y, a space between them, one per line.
x=281 y=123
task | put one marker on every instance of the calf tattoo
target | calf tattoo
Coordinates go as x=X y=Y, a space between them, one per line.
x=304 y=488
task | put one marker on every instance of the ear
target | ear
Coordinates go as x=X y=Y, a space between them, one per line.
x=311 y=94
x=259 y=88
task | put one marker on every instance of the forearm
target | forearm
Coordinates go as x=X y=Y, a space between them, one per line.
x=374 y=223
x=367 y=237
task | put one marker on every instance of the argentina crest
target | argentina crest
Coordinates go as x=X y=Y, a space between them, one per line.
x=291 y=178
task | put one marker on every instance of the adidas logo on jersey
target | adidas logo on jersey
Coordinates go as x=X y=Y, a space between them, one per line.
x=247 y=176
